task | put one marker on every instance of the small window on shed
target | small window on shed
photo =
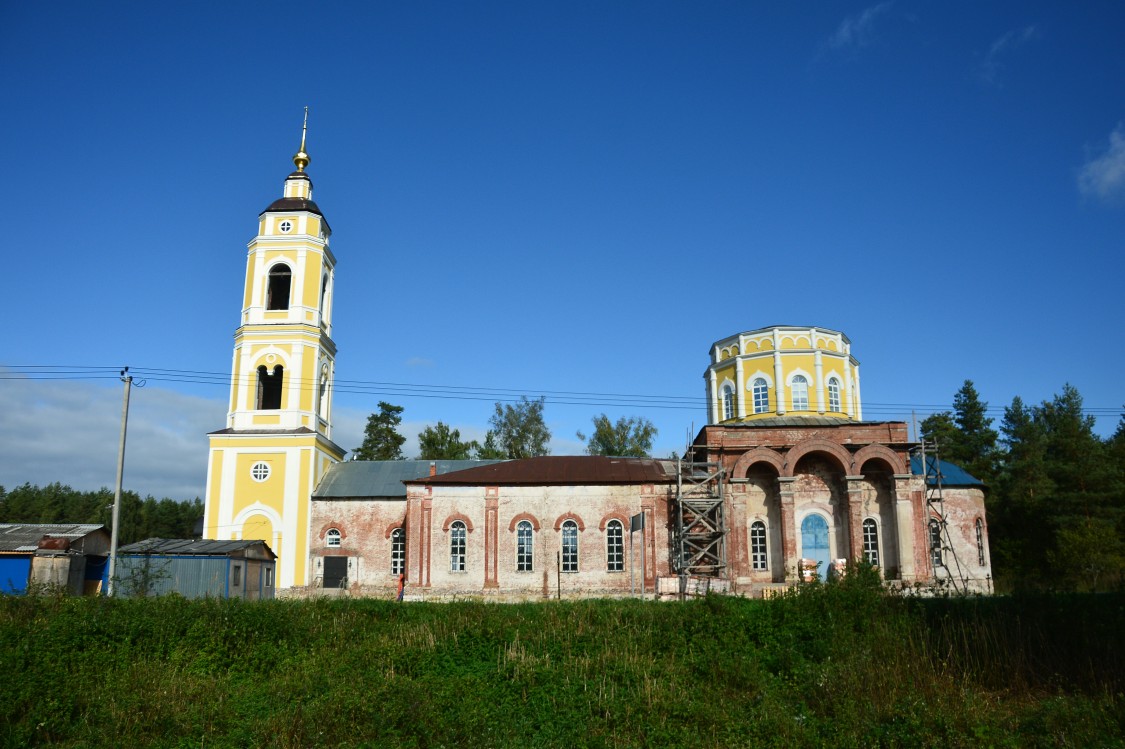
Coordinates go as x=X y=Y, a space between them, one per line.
x=236 y=575
x=332 y=538
x=277 y=291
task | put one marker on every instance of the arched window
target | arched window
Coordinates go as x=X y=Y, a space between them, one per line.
x=728 y=402
x=833 y=394
x=269 y=388
x=277 y=290
x=398 y=551
x=524 y=547
x=980 y=542
x=871 y=542
x=332 y=538
x=935 y=544
x=323 y=297
x=614 y=546
x=761 y=396
x=758 y=558
x=321 y=404
x=570 y=546
x=800 y=389
x=457 y=546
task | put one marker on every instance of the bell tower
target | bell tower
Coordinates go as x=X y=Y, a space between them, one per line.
x=277 y=443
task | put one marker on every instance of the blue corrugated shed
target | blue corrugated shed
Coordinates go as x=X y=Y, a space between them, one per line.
x=951 y=474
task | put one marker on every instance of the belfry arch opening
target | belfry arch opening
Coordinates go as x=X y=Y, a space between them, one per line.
x=278 y=287
x=269 y=388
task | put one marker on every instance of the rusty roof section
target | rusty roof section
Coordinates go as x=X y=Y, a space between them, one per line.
x=25 y=537
x=561 y=470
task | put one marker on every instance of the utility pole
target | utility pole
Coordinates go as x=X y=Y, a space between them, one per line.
x=128 y=380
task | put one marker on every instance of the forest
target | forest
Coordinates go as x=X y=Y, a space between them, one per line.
x=1055 y=489
x=140 y=518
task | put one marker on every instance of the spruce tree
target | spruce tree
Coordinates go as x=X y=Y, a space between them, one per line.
x=974 y=447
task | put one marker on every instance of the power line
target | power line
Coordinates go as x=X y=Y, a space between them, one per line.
x=446 y=392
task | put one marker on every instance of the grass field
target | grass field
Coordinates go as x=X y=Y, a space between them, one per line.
x=830 y=665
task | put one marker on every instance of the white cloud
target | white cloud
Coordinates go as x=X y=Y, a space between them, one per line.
x=856 y=31
x=1104 y=175
x=990 y=69
x=69 y=431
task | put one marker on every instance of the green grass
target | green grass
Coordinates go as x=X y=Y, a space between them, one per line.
x=837 y=665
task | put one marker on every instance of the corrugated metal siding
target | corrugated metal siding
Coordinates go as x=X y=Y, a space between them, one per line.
x=191 y=577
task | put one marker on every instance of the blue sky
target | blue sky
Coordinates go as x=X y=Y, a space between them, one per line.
x=556 y=197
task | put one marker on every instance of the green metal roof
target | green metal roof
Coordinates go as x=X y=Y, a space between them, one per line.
x=367 y=479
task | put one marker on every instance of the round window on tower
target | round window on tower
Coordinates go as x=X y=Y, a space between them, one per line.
x=260 y=471
x=285 y=226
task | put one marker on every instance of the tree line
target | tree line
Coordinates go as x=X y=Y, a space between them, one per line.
x=139 y=518
x=515 y=431
x=1055 y=490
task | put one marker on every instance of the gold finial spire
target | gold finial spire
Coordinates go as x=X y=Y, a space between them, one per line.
x=301 y=159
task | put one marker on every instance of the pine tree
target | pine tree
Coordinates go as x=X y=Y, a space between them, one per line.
x=381 y=439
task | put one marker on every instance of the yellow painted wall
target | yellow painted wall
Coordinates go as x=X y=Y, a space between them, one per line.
x=211 y=519
x=759 y=358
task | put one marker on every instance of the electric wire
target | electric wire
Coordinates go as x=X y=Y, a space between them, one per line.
x=447 y=392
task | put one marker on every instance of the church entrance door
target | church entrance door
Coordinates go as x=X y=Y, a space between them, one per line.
x=335 y=572
x=814 y=542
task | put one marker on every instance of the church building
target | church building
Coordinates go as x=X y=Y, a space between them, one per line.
x=785 y=483
x=809 y=483
x=277 y=443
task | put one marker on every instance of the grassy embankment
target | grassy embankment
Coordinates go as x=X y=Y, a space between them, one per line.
x=838 y=665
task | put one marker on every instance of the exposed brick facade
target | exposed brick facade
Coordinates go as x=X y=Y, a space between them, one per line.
x=846 y=474
x=789 y=478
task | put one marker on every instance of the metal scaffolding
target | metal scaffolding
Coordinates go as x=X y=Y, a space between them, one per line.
x=699 y=541
x=940 y=543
